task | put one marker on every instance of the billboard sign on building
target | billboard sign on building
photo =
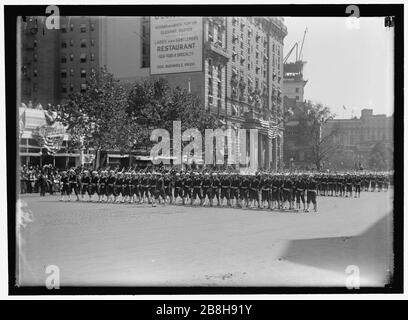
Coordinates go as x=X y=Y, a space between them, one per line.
x=176 y=44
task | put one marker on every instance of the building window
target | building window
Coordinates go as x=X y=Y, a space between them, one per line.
x=64 y=28
x=219 y=69
x=63 y=73
x=83 y=58
x=71 y=42
x=35 y=43
x=63 y=59
x=297 y=90
x=210 y=68
x=82 y=28
x=64 y=88
x=71 y=72
x=71 y=87
x=219 y=90
x=210 y=87
x=83 y=43
x=83 y=73
x=83 y=87
x=63 y=44
x=35 y=72
x=71 y=57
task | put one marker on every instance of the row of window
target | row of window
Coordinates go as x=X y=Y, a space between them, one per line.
x=71 y=87
x=82 y=27
x=82 y=57
x=83 y=43
x=83 y=73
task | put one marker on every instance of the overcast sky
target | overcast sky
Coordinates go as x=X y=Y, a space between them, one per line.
x=350 y=67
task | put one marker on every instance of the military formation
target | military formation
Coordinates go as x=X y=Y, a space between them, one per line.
x=266 y=190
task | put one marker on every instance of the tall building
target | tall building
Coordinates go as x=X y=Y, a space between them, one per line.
x=54 y=63
x=296 y=152
x=355 y=138
x=241 y=78
x=57 y=62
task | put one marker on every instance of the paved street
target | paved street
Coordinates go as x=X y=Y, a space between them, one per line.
x=131 y=245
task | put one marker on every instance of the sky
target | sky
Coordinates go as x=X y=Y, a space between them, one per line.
x=345 y=66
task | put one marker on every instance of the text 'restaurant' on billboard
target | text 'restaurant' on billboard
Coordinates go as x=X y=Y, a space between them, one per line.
x=176 y=44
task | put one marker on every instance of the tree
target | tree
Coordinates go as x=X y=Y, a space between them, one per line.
x=97 y=118
x=313 y=122
x=381 y=157
x=154 y=104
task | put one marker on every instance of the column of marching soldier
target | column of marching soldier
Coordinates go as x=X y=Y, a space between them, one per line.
x=274 y=191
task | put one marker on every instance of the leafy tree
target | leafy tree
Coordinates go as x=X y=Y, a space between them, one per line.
x=313 y=117
x=97 y=118
x=381 y=157
x=154 y=104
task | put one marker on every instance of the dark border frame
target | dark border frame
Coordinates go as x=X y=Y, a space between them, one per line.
x=338 y=10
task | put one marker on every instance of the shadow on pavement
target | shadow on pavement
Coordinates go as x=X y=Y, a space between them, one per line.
x=371 y=252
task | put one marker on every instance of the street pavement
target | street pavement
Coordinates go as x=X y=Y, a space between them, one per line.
x=95 y=244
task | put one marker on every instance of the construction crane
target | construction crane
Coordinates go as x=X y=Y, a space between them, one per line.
x=296 y=45
x=301 y=48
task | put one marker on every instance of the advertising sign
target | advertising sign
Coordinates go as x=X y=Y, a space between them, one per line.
x=176 y=44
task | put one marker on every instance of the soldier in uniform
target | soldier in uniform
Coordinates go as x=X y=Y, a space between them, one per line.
x=254 y=191
x=73 y=184
x=275 y=193
x=311 y=193
x=168 y=186
x=234 y=193
x=159 y=192
x=102 y=185
x=187 y=184
x=244 y=190
x=135 y=187
x=207 y=189
x=225 y=188
x=93 y=187
x=178 y=187
x=144 y=193
x=357 y=186
x=110 y=186
x=287 y=192
x=117 y=186
x=216 y=185
x=300 y=190
x=264 y=185
x=64 y=185
x=349 y=186
x=126 y=185
x=196 y=184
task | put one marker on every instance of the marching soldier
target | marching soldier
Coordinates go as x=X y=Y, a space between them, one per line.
x=196 y=184
x=64 y=185
x=300 y=187
x=102 y=185
x=178 y=187
x=311 y=186
x=207 y=189
x=216 y=185
x=225 y=189
x=234 y=193
x=73 y=184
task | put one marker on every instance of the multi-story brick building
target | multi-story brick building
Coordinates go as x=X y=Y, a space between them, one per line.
x=242 y=76
x=57 y=62
x=356 y=138
x=54 y=63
